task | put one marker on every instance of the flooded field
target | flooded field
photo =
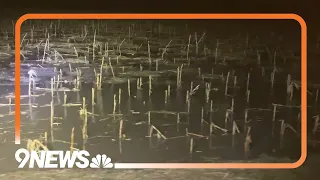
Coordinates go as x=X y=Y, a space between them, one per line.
x=143 y=91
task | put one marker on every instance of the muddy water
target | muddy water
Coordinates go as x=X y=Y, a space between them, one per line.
x=103 y=129
x=136 y=147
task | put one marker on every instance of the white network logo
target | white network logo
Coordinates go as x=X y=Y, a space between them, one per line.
x=55 y=159
x=101 y=161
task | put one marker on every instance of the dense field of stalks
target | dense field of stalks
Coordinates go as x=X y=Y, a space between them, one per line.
x=143 y=91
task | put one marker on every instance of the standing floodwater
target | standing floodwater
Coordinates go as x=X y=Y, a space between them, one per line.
x=158 y=91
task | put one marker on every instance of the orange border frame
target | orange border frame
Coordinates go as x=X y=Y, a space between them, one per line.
x=182 y=16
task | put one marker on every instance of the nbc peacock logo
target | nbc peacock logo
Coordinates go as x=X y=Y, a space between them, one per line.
x=101 y=161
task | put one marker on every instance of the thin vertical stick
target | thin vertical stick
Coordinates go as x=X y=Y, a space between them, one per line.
x=64 y=97
x=188 y=105
x=235 y=82
x=248 y=82
x=272 y=79
x=157 y=64
x=210 y=134
x=208 y=89
x=180 y=75
x=120 y=46
x=111 y=67
x=93 y=46
x=114 y=104
x=282 y=129
x=138 y=81
x=51 y=121
x=52 y=89
x=235 y=130
x=226 y=119
x=216 y=52
x=44 y=51
x=54 y=79
x=78 y=78
x=274 y=117
x=188 y=50
x=70 y=69
x=129 y=91
x=178 y=72
x=149 y=117
x=107 y=51
x=150 y=85
x=248 y=96
x=119 y=100
x=178 y=122
x=232 y=105
x=187 y=96
x=29 y=87
x=227 y=82
x=202 y=119
x=92 y=97
x=258 y=58
x=165 y=50
x=85 y=124
x=149 y=53
x=245 y=120
x=247 y=142
x=150 y=135
x=100 y=102
x=72 y=141
x=129 y=35
x=10 y=103
x=97 y=80
x=101 y=72
x=120 y=135
x=191 y=148
x=165 y=96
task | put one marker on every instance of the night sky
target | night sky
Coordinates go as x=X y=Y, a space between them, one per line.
x=308 y=9
x=305 y=8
